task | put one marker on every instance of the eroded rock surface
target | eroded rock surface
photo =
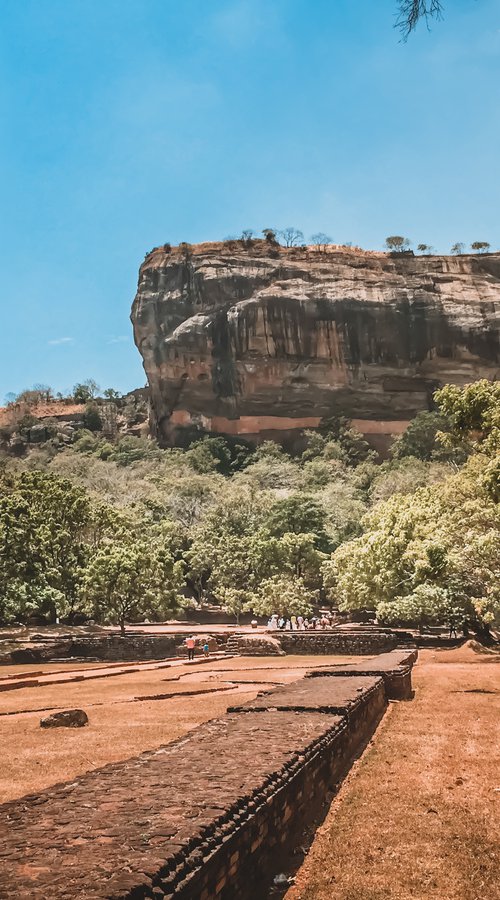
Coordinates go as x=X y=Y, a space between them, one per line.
x=261 y=340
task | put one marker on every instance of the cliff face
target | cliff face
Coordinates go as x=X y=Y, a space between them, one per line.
x=261 y=340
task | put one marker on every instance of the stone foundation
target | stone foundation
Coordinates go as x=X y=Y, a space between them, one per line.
x=315 y=643
x=107 y=648
x=211 y=816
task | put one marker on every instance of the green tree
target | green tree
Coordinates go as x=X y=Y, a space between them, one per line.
x=473 y=413
x=446 y=535
x=426 y=605
x=421 y=440
x=345 y=442
x=425 y=248
x=480 y=246
x=111 y=394
x=92 y=417
x=48 y=527
x=85 y=391
x=458 y=248
x=396 y=243
x=298 y=514
x=131 y=579
x=284 y=594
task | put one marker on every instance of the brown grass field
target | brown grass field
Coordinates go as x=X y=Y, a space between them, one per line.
x=119 y=725
x=419 y=815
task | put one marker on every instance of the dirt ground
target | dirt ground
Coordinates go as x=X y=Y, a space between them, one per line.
x=419 y=815
x=121 y=724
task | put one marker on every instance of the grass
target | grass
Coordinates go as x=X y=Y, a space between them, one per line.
x=34 y=758
x=418 y=816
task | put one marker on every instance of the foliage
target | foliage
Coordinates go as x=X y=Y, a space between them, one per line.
x=130 y=579
x=86 y=391
x=415 y=536
x=345 y=442
x=298 y=514
x=92 y=418
x=396 y=243
x=447 y=535
x=473 y=413
x=421 y=440
x=284 y=595
x=47 y=529
x=457 y=249
x=216 y=454
x=480 y=246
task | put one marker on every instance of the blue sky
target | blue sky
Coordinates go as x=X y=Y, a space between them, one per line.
x=127 y=124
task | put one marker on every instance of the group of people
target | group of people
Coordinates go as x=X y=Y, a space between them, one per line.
x=191 y=646
x=299 y=623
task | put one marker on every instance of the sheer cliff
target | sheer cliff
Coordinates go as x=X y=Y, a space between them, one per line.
x=258 y=340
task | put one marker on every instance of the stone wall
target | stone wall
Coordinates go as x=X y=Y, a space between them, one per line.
x=108 y=648
x=314 y=643
x=211 y=816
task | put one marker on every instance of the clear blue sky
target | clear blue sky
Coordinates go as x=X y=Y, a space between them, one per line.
x=128 y=124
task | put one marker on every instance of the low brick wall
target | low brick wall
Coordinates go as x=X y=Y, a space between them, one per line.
x=211 y=816
x=108 y=648
x=313 y=643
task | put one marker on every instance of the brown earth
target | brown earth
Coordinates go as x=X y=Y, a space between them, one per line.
x=418 y=817
x=120 y=726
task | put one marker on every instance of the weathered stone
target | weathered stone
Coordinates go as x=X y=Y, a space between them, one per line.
x=263 y=340
x=68 y=718
x=255 y=645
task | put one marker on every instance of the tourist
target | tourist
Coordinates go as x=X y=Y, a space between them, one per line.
x=288 y=625
x=190 y=644
x=300 y=623
x=206 y=649
x=293 y=622
x=281 y=623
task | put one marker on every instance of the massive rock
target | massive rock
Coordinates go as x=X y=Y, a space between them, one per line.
x=260 y=340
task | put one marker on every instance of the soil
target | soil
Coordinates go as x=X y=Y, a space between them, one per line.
x=419 y=815
x=179 y=697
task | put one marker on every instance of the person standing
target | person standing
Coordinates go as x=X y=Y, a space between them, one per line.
x=190 y=644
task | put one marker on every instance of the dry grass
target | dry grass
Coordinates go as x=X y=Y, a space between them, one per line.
x=418 y=817
x=35 y=758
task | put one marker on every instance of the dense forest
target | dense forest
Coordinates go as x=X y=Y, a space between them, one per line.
x=116 y=530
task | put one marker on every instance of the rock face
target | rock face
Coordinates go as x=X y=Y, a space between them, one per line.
x=260 y=340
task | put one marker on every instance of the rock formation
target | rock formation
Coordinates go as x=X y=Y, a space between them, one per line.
x=258 y=340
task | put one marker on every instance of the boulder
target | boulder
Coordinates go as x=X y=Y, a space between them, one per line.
x=68 y=718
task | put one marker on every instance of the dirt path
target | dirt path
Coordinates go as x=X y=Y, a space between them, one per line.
x=419 y=815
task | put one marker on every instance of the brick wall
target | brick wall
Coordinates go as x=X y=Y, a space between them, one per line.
x=211 y=816
x=315 y=643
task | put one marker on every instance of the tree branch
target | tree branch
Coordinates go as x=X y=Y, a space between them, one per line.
x=411 y=11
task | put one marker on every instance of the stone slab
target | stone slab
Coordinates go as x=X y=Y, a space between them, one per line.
x=329 y=693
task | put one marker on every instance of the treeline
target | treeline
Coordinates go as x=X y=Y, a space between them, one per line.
x=292 y=237
x=120 y=530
